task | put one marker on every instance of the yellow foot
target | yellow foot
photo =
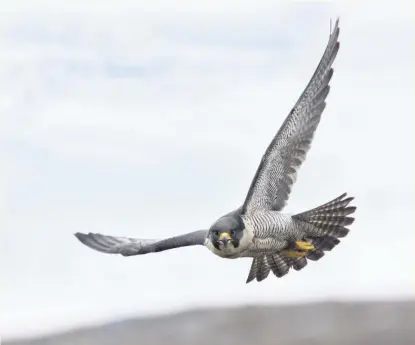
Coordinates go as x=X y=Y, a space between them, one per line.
x=304 y=246
x=301 y=250
x=294 y=253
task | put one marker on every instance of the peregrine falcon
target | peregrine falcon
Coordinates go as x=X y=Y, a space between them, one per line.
x=258 y=229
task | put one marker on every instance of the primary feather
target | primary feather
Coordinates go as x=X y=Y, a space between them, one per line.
x=278 y=169
x=128 y=246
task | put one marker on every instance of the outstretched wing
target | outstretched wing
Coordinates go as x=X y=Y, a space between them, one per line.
x=127 y=246
x=277 y=171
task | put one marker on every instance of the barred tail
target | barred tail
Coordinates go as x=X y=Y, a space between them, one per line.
x=331 y=220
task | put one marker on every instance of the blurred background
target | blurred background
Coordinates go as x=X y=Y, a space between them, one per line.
x=149 y=119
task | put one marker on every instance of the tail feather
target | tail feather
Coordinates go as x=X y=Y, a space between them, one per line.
x=336 y=203
x=259 y=269
x=263 y=268
x=315 y=254
x=327 y=242
x=299 y=263
x=278 y=264
x=262 y=265
x=332 y=217
x=331 y=220
x=322 y=244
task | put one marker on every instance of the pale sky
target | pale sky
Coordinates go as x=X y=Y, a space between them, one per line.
x=149 y=119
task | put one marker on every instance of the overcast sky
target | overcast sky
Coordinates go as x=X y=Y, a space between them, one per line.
x=149 y=119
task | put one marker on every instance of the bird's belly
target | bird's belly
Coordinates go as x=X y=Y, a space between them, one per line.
x=254 y=251
x=269 y=244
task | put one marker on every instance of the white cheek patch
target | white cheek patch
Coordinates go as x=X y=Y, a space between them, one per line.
x=209 y=245
x=230 y=245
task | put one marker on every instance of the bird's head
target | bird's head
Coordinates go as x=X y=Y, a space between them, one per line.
x=227 y=232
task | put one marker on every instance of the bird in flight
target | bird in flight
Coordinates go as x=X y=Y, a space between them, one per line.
x=275 y=241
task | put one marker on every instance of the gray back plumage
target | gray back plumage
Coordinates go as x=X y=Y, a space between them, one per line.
x=277 y=171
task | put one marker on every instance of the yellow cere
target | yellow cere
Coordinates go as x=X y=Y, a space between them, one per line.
x=224 y=235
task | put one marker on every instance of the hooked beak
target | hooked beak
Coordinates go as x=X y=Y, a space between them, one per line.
x=224 y=238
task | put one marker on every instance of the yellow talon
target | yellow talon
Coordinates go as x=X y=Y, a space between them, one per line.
x=293 y=253
x=301 y=250
x=304 y=246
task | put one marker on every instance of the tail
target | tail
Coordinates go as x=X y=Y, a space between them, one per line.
x=331 y=219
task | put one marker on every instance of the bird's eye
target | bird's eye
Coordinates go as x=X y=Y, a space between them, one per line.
x=215 y=232
x=233 y=232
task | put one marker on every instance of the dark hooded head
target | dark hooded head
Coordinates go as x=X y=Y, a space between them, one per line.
x=227 y=232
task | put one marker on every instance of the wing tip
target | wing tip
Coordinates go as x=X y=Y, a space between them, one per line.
x=336 y=25
x=81 y=236
x=90 y=241
x=248 y=280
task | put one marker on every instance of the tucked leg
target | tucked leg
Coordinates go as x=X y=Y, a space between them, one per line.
x=306 y=246
x=298 y=249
